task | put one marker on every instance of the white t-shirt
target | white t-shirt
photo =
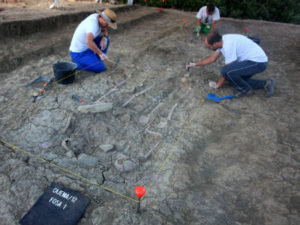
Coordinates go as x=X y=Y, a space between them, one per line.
x=88 y=25
x=202 y=15
x=239 y=48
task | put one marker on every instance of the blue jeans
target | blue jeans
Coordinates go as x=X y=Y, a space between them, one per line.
x=239 y=74
x=88 y=60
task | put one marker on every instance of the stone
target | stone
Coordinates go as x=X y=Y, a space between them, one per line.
x=124 y=163
x=86 y=161
x=144 y=119
x=125 y=118
x=95 y=108
x=106 y=147
x=121 y=145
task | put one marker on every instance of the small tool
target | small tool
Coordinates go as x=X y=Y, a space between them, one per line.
x=37 y=94
x=77 y=98
x=217 y=99
x=187 y=73
x=45 y=79
x=114 y=62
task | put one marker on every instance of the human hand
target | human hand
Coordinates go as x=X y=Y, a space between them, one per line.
x=103 y=57
x=103 y=43
x=198 y=31
x=188 y=66
x=212 y=84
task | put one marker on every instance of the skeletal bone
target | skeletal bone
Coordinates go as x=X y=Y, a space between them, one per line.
x=151 y=150
x=95 y=108
x=67 y=124
x=136 y=95
x=129 y=100
x=171 y=112
x=146 y=119
x=152 y=132
x=112 y=90
x=143 y=91
x=174 y=106
x=107 y=93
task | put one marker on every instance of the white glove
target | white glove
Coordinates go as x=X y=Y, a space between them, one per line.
x=212 y=84
x=103 y=43
x=198 y=31
x=103 y=57
x=188 y=66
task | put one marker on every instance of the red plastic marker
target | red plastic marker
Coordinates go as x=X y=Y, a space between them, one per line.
x=145 y=0
x=163 y=1
x=159 y=9
x=140 y=191
x=184 y=20
x=246 y=28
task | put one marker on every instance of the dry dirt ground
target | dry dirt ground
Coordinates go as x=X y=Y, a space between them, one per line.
x=233 y=163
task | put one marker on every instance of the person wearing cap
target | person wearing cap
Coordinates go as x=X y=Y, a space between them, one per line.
x=207 y=18
x=90 y=41
x=243 y=58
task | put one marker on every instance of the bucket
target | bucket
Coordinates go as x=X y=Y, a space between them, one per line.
x=64 y=72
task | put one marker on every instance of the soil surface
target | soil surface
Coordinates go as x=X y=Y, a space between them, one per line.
x=235 y=163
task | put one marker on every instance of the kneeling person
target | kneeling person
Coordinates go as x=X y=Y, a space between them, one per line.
x=207 y=18
x=243 y=58
x=90 y=41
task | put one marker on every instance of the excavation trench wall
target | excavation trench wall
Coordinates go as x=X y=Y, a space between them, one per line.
x=60 y=42
x=27 y=27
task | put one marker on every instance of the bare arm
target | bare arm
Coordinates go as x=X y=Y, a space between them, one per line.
x=213 y=25
x=220 y=82
x=199 y=22
x=210 y=59
x=91 y=44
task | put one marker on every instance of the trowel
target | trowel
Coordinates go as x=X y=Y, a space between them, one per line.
x=115 y=62
x=217 y=99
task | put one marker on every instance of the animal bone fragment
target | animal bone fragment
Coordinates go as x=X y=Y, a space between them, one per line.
x=107 y=93
x=171 y=112
x=67 y=124
x=129 y=100
x=174 y=106
x=136 y=95
x=95 y=108
x=144 y=91
x=112 y=90
x=162 y=123
x=150 y=151
x=145 y=119
x=153 y=132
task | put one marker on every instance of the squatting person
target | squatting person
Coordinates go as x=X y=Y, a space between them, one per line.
x=90 y=41
x=207 y=18
x=243 y=58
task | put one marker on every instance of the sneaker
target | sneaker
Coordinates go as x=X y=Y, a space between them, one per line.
x=238 y=94
x=269 y=87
